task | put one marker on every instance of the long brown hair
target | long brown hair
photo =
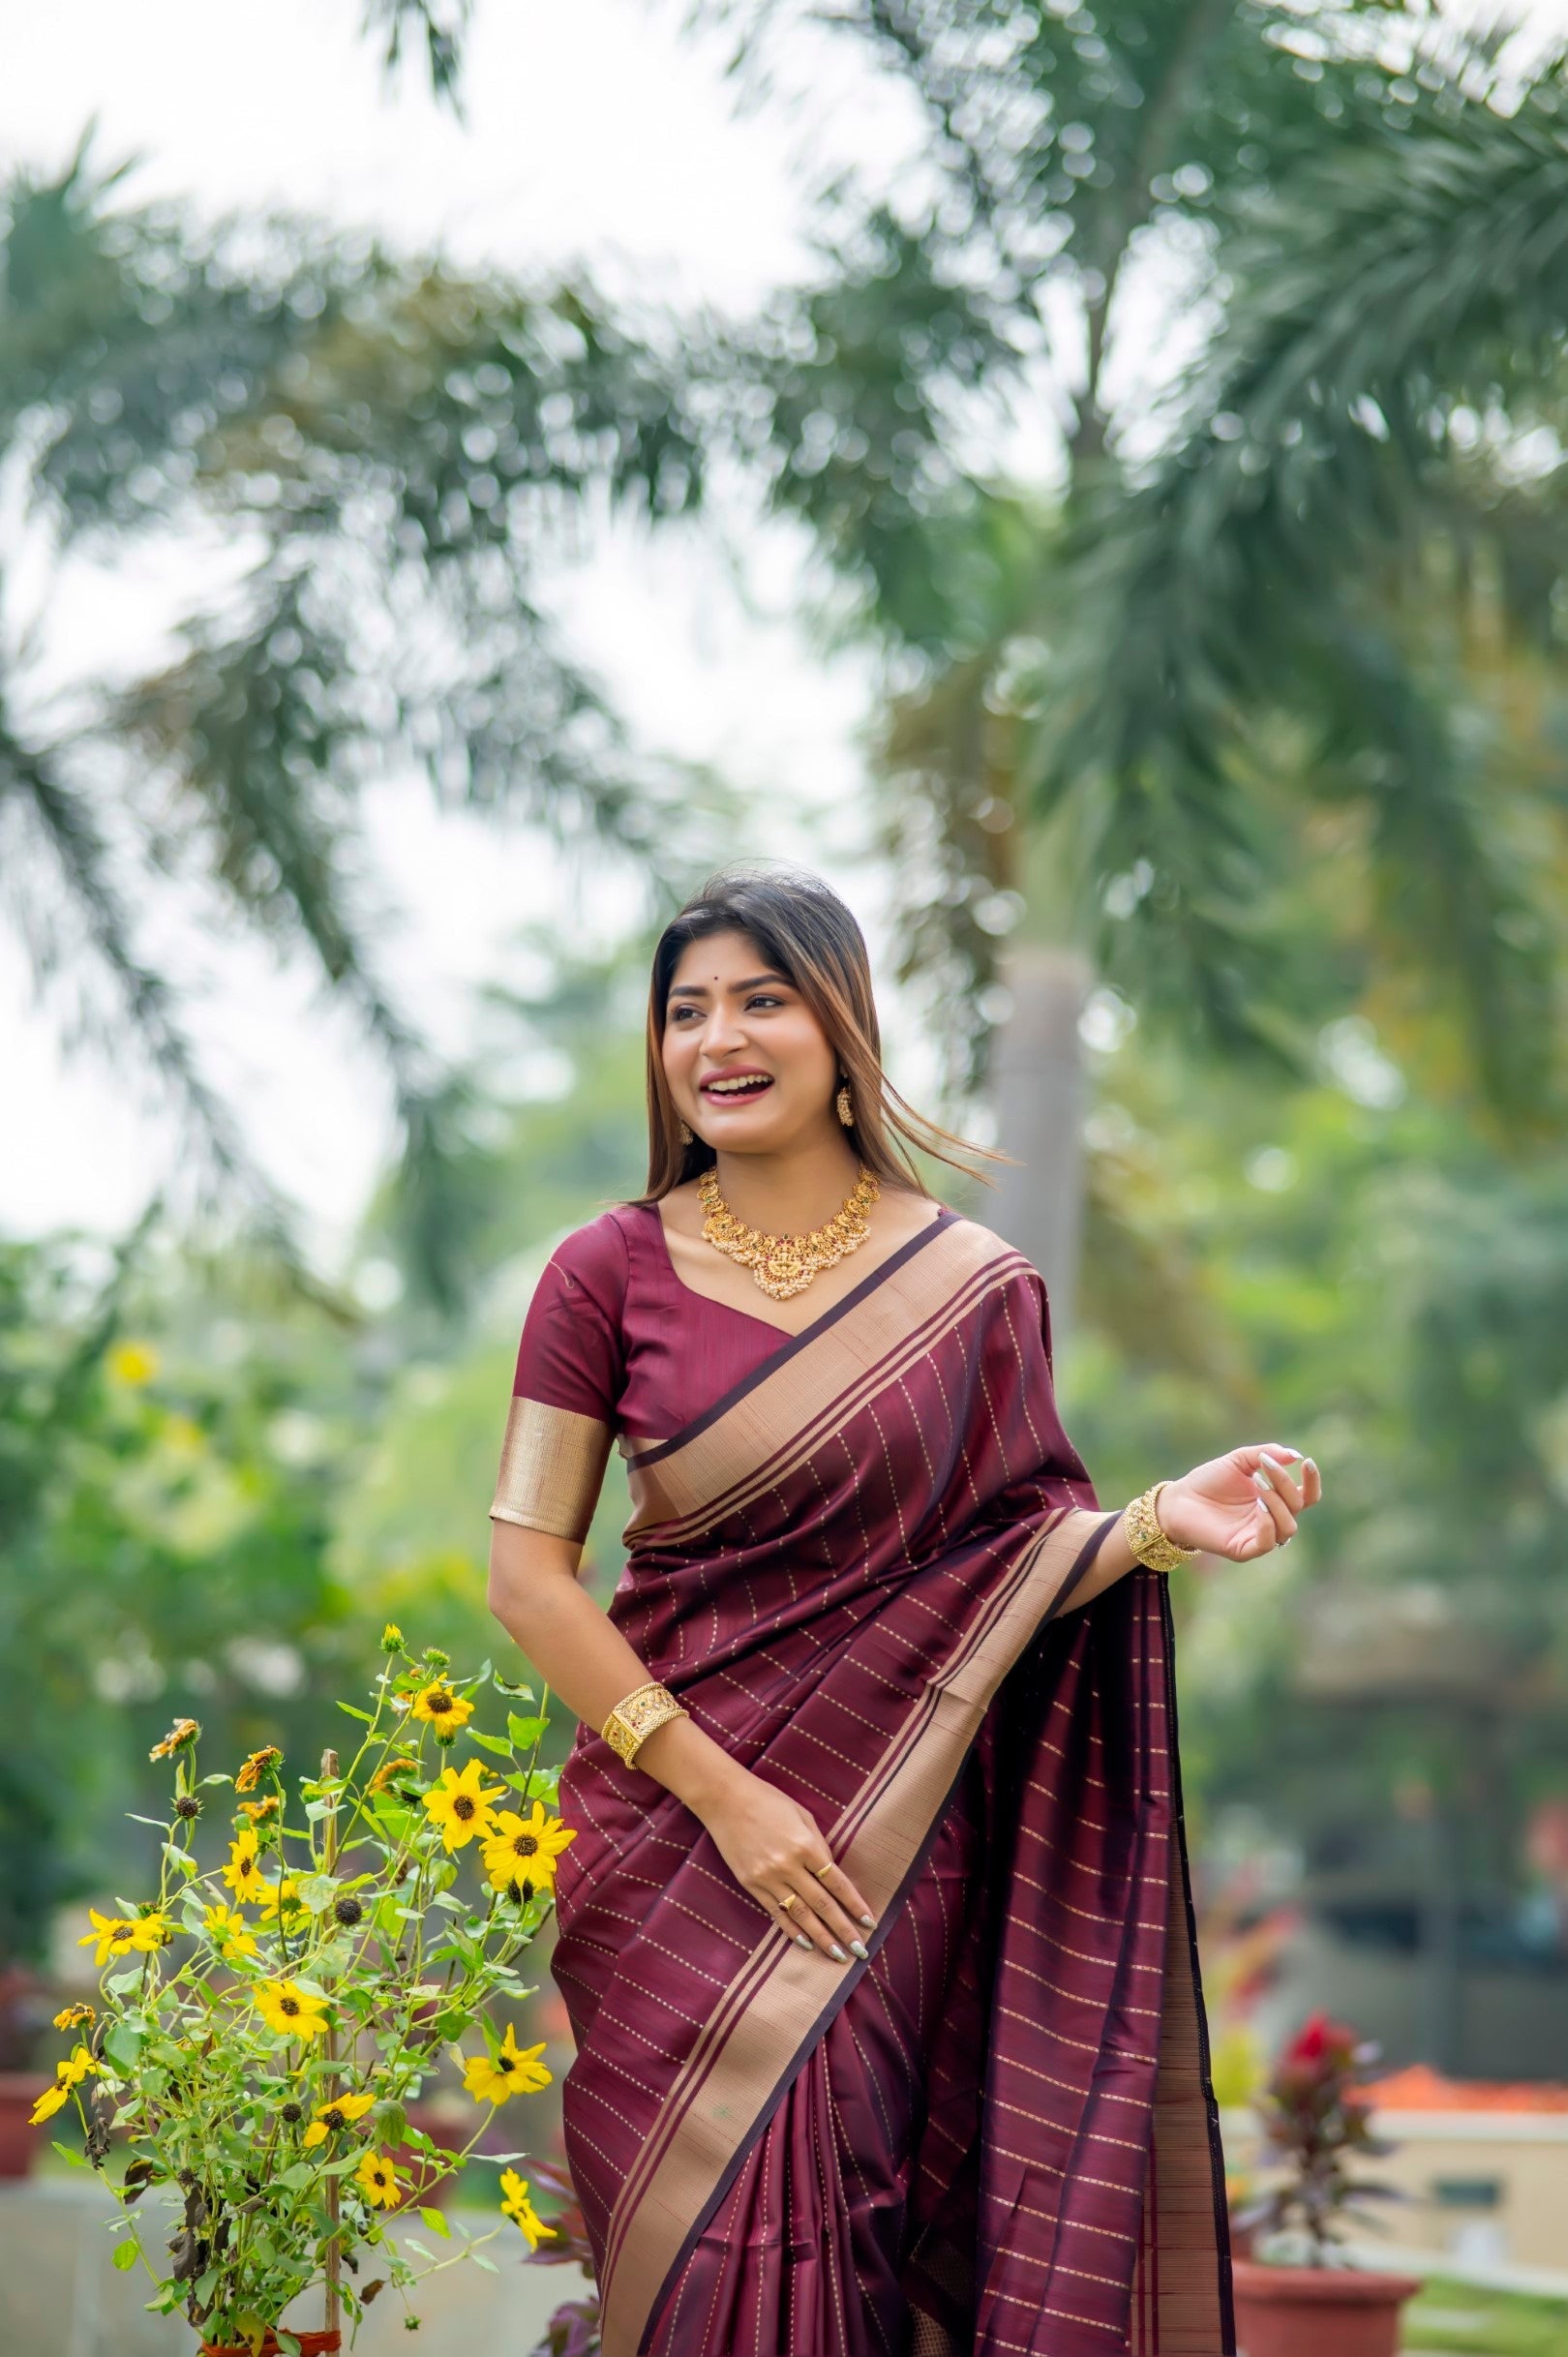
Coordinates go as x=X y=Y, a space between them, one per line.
x=807 y=933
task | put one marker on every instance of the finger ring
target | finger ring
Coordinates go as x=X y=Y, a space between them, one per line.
x=794 y=1900
x=821 y=1871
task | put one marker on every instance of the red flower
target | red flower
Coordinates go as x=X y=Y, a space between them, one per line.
x=1318 y=2041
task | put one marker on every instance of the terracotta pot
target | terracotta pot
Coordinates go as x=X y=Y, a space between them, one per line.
x=20 y=2090
x=311 y=2344
x=1308 y=2312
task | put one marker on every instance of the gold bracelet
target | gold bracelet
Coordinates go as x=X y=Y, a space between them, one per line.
x=636 y=1716
x=1148 y=1541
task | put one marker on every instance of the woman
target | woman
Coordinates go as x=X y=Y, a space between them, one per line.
x=875 y=1935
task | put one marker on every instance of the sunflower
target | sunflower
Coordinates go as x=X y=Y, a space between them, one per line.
x=518 y=2207
x=445 y=1711
x=115 y=1935
x=282 y=1898
x=259 y=1811
x=341 y=2112
x=149 y=1932
x=251 y=1771
x=243 y=1872
x=523 y=1849
x=52 y=2099
x=77 y=2066
x=397 y=1765
x=460 y=1804
x=183 y=1732
x=493 y=2078
x=379 y=2181
x=75 y=2017
x=284 y=2007
x=229 y=1933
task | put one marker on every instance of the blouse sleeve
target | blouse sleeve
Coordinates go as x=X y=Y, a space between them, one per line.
x=570 y=1375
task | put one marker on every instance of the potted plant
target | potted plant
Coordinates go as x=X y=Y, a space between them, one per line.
x=1316 y=2124
x=268 y=2021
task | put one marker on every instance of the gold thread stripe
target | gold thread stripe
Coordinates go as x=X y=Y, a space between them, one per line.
x=552 y=1465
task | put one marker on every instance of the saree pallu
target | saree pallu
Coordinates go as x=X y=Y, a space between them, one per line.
x=997 y=2134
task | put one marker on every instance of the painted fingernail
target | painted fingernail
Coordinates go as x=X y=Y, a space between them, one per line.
x=833 y=1950
x=861 y=1949
x=1259 y=1482
x=1311 y=1460
x=802 y=1941
x=870 y=1922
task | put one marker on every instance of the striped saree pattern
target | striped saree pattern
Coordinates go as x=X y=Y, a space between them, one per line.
x=997 y=2135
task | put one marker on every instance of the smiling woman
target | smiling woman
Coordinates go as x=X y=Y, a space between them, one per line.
x=875 y=1934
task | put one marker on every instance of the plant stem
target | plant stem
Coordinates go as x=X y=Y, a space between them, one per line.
x=334 y=2185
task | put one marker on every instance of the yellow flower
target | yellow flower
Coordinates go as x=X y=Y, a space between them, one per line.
x=391 y=1638
x=397 y=1765
x=115 y=1935
x=517 y=2206
x=52 y=2099
x=460 y=1804
x=341 y=2112
x=133 y=1362
x=379 y=2181
x=75 y=2016
x=524 y=1850
x=278 y=1898
x=149 y=1932
x=229 y=1933
x=243 y=1872
x=445 y=1711
x=259 y=1811
x=77 y=2066
x=284 y=2007
x=493 y=2078
x=183 y=1732
x=253 y=1770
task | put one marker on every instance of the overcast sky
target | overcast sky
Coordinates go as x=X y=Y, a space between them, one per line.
x=592 y=133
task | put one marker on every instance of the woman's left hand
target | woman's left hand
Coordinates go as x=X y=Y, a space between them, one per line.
x=1226 y=1507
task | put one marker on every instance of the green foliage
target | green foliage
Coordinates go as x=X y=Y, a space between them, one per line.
x=1448 y=2313
x=394 y=445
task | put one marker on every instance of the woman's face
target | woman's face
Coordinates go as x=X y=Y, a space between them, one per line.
x=748 y=1064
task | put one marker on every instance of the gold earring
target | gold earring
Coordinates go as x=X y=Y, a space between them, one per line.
x=844 y=1106
x=685 y=1136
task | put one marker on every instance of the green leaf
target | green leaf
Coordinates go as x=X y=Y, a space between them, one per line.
x=353 y=1714
x=526 y=1733
x=122 y=2046
x=504 y=1686
x=488 y=2264
x=126 y=2256
x=319 y=1891
x=437 y=2224
x=207 y=1781
x=69 y=2153
x=180 y=1859
x=285 y=2340
x=293 y=2180
x=489 y=1742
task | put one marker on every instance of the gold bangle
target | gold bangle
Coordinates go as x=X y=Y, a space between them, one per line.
x=1145 y=1537
x=636 y=1716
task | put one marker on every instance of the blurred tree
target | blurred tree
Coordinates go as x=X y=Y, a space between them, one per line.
x=383 y=450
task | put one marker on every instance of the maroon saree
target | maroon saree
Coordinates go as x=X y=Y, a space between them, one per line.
x=856 y=1568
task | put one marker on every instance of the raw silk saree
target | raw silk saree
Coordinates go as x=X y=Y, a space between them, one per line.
x=856 y=1570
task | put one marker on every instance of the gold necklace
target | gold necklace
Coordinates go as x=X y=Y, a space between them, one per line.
x=783 y=1265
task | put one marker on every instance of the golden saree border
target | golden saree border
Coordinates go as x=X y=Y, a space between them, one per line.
x=680 y=1487
x=777 y=2005
x=552 y=1465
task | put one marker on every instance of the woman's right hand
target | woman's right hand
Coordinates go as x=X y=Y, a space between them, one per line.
x=773 y=1846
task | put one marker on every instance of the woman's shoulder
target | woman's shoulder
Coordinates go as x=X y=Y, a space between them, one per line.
x=596 y=1256
x=988 y=1249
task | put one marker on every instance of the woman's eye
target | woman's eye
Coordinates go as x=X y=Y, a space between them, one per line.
x=764 y=998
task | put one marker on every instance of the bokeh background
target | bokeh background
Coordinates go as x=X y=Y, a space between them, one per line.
x=1089 y=480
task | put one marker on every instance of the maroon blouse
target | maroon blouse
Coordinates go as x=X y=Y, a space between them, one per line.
x=614 y=1346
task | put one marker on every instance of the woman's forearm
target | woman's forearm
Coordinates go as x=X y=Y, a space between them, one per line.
x=1113 y=1559
x=583 y=1658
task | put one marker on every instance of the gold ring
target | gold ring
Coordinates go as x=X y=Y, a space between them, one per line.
x=826 y=1869
x=794 y=1900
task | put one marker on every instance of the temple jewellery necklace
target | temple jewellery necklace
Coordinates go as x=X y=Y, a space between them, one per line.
x=783 y=1265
